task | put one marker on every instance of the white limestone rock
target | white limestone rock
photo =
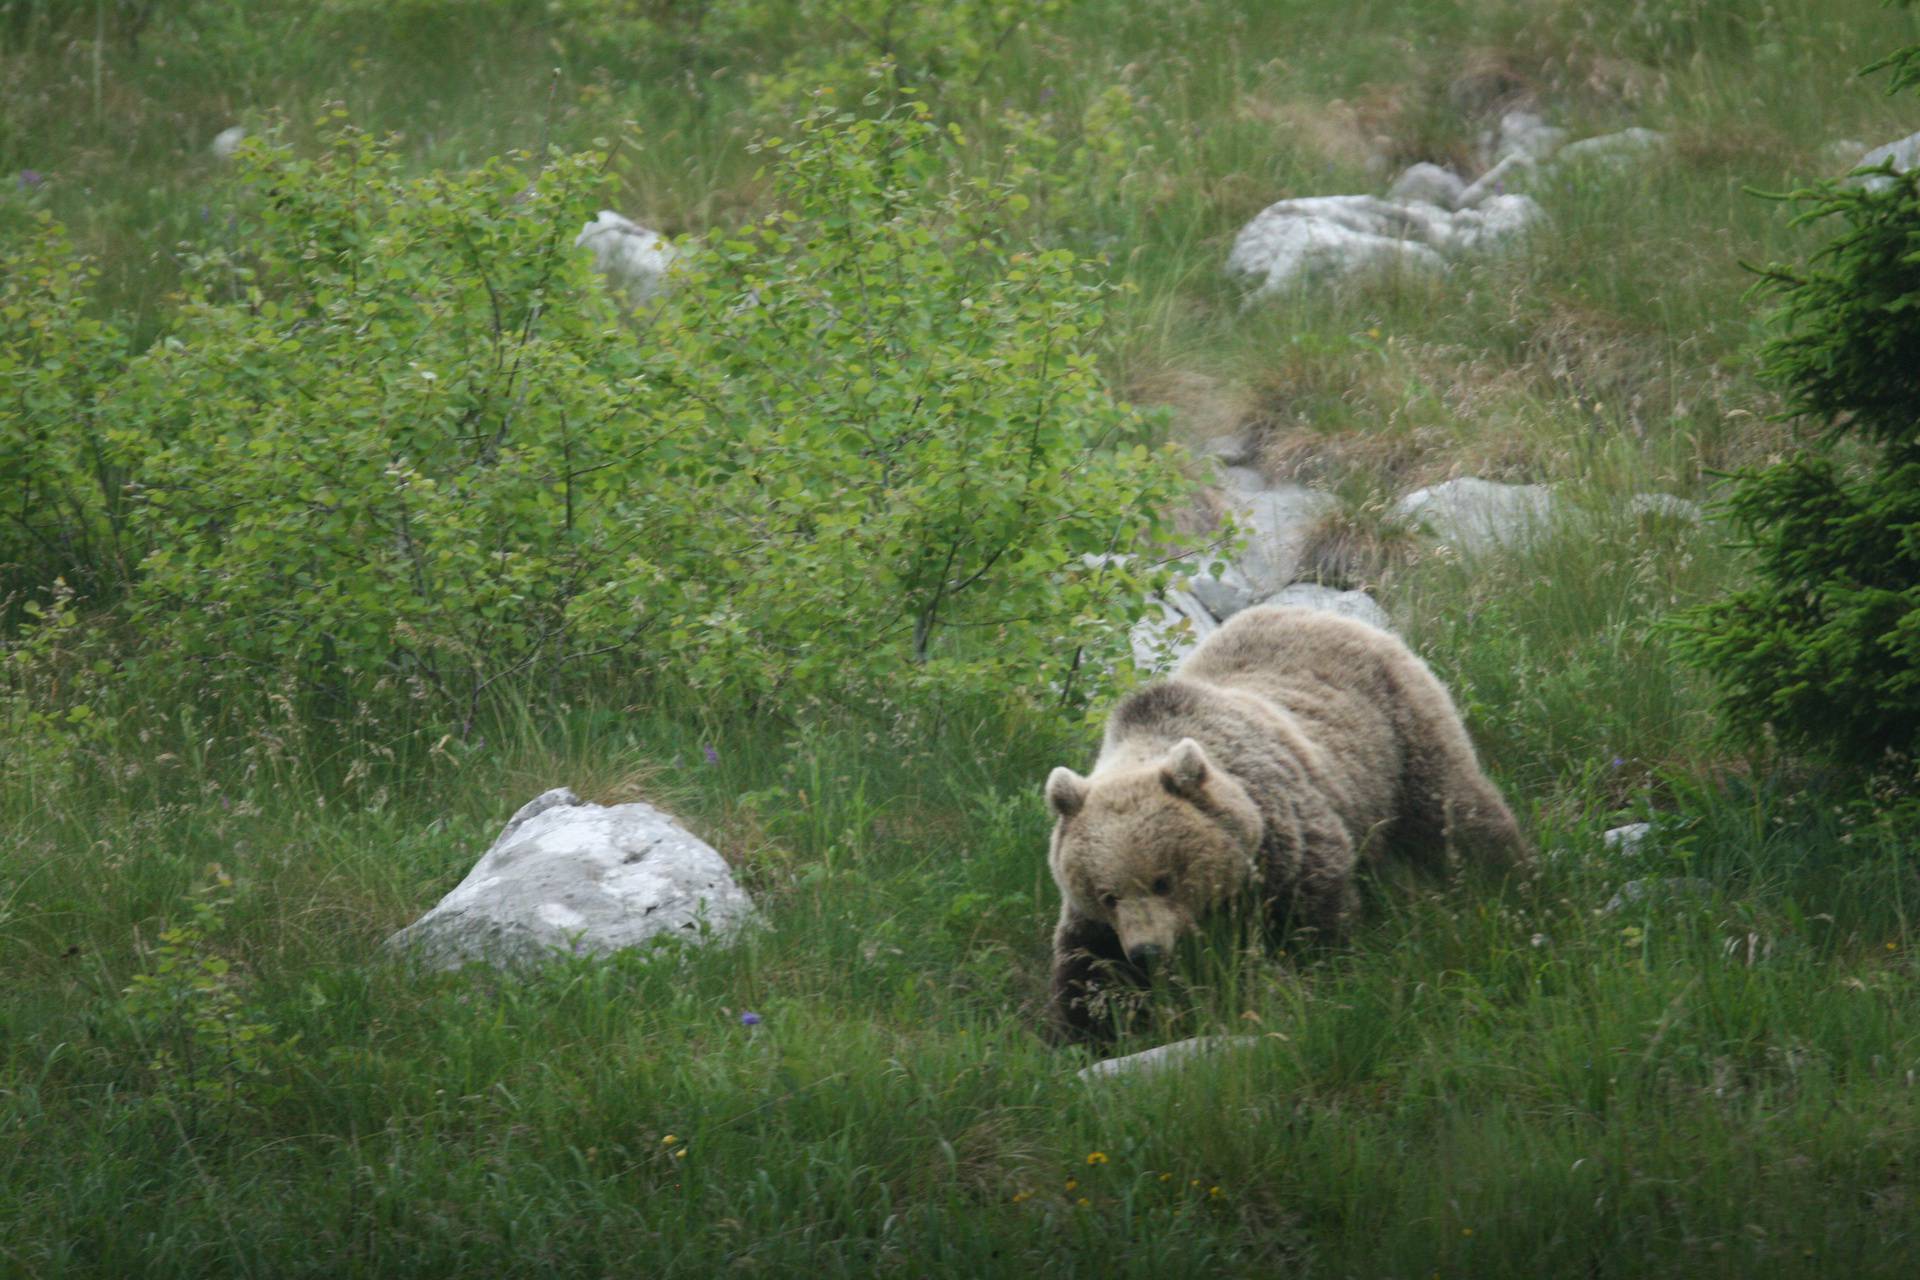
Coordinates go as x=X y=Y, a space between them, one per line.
x=1495 y=223
x=227 y=141
x=630 y=256
x=1357 y=605
x=1428 y=184
x=1316 y=238
x=1480 y=515
x=1613 y=150
x=1904 y=155
x=1162 y=639
x=1292 y=242
x=1226 y=594
x=1521 y=133
x=579 y=879
x=1627 y=839
x=1241 y=479
x=1510 y=176
x=1162 y=1057
x=1672 y=889
x=1278 y=522
x=1664 y=506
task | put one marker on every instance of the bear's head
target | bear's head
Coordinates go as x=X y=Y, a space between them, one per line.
x=1151 y=849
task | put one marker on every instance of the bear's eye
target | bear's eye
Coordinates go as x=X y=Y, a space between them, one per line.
x=1109 y=901
x=1163 y=886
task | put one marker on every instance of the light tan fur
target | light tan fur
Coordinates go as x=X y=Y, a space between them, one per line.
x=1292 y=745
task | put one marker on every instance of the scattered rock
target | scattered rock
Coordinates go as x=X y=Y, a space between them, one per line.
x=1662 y=888
x=1428 y=184
x=1614 y=150
x=567 y=877
x=1527 y=135
x=1329 y=237
x=1903 y=155
x=629 y=255
x=1225 y=595
x=1627 y=839
x=1348 y=604
x=1512 y=173
x=1160 y=642
x=1278 y=522
x=1236 y=450
x=1495 y=223
x=1664 y=506
x=1480 y=515
x=228 y=141
x=1241 y=479
x=1161 y=1057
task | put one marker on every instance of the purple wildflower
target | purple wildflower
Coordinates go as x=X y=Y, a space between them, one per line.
x=1617 y=762
x=31 y=178
x=749 y=1019
x=713 y=757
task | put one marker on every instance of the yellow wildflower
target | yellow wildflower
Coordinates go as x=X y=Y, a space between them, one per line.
x=1096 y=1157
x=1072 y=1183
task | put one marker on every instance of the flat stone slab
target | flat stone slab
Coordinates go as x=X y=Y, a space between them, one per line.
x=566 y=878
x=1163 y=1057
x=1480 y=515
x=1357 y=605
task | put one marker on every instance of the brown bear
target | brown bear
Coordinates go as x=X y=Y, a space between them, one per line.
x=1289 y=747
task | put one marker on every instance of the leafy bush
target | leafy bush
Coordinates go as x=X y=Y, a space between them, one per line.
x=1824 y=647
x=209 y=1052
x=59 y=490
x=892 y=428
x=403 y=451
x=378 y=462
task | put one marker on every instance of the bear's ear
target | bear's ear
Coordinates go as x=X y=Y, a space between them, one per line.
x=1066 y=792
x=1185 y=771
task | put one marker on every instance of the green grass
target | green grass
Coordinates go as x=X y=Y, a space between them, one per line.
x=1486 y=1081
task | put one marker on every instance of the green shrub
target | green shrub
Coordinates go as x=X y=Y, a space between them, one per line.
x=1824 y=647
x=376 y=463
x=60 y=509
x=403 y=452
x=890 y=431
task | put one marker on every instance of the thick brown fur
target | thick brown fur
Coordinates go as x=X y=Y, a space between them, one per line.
x=1290 y=747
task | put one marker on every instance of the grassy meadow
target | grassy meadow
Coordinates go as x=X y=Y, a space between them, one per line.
x=208 y=1067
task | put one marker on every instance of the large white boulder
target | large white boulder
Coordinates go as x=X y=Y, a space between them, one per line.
x=1428 y=184
x=1613 y=150
x=1523 y=133
x=1278 y=521
x=1904 y=155
x=570 y=878
x=1292 y=242
x=630 y=256
x=1357 y=605
x=1295 y=242
x=1480 y=515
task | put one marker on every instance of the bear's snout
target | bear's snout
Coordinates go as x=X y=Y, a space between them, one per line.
x=1142 y=955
